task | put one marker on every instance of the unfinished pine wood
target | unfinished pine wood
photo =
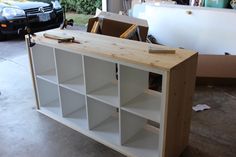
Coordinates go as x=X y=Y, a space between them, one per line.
x=165 y=51
x=129 y=32
x=51 y=36
x=114 y=49
x=32 y=72
x=95 y=27
x=100 y=88
x=178 y=108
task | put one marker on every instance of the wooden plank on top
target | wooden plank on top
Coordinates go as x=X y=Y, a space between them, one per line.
x=132 y=52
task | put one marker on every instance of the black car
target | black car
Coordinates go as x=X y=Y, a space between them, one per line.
x=42 y=15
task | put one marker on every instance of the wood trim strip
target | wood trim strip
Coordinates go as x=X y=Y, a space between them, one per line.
x=32 y=72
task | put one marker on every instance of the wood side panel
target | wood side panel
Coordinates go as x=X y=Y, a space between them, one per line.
x=179 y=107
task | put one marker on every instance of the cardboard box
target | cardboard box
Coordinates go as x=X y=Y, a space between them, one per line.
x=216 y=70
x=216 y=66
x=115 y=24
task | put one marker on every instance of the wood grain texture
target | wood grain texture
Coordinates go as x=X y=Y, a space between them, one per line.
x=56 y=37
x=32 y=72
x=129 y=32
x=115 y=49
x=95 y=27
x=179 y=107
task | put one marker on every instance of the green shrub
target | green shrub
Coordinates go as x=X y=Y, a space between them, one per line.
x=82 y=6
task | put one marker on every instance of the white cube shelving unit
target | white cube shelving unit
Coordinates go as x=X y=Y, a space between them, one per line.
x=101 y=89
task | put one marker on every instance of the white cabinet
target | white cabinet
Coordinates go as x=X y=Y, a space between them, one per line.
x=109 y=100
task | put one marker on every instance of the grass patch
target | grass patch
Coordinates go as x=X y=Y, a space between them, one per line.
x=79 y=19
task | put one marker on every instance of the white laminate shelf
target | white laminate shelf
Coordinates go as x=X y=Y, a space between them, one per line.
x=49 y=75
x=75 y=84
x=146 y=105
x=108 y=130
x=107 y=94
x=144 y=143
x=78 y=117
x=53 y=106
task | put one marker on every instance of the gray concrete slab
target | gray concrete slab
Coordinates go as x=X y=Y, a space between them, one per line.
x=24 y=132
x=13 y=47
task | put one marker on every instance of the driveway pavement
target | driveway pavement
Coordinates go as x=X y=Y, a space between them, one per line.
x=12 y=48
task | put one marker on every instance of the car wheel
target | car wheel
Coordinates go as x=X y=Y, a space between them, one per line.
x=2 y=36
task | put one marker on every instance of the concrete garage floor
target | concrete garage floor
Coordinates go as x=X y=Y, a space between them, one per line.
x=24 y=132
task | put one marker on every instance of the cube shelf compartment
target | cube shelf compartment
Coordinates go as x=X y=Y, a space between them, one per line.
x=101 y=89
x=136 y=98
x=48 y=96
x=101 y=80
x=141 y=139
x=103 y=120
x=147 y=105
x=44 y=62
x=70 y=70
x=73 y=107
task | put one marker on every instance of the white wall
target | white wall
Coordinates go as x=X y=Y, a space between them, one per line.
x=206 y=30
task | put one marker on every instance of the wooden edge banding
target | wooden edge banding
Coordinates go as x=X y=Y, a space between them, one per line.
x=57 y=37
x=160 y=51
x=95 y=27
x=164 y=111
x=128 y=33
x=32 y=72
x=179 y=107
